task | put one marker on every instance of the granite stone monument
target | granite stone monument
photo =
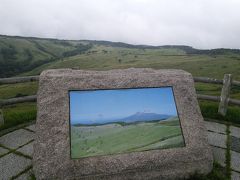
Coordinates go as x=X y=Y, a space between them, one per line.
x=119 y=124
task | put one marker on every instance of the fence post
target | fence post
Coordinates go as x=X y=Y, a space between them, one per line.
x=1 y=118
x=227 y=80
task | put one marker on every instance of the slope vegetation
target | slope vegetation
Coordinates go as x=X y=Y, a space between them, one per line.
x=18 y=54
x=115 y=138
x=30 y=56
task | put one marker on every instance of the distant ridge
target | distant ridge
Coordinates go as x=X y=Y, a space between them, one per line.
x=31 y=55
x=186 y=48
x=137 y=117
x=141 y=116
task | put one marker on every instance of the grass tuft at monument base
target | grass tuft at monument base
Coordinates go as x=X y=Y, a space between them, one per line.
x=210 y=110
x=218 y=173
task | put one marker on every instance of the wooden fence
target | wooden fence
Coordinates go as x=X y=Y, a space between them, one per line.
x=223 y=100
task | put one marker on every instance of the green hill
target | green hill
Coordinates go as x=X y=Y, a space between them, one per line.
x=114 y=138
x=20 y=56
x=29 y=56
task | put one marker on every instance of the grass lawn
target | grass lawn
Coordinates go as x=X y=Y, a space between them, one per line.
x=17 y=90
x=115 y=138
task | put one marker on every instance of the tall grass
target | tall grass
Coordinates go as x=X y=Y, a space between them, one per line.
x=218 y=173
x=18 y=114
x=210 y=110
x=16 y=90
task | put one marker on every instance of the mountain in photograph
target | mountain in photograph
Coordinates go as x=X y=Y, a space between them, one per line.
x=142 y=116
x=137 y=117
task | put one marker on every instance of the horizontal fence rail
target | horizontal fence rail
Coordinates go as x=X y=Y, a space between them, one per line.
x=208 y=97
x=236 y=83
x=11 y=101
x=207 y=80
x=217 y=99
x=213 y=81
x=234 y=101
x=14 y=80
x=224 y=96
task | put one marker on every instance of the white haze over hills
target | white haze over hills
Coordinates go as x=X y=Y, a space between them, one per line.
x=137 y=117
x=199 y=23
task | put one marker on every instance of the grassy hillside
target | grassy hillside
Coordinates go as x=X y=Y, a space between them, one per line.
x=104 y=57
x=18 y=54
x=115 y=138
x=30 y=56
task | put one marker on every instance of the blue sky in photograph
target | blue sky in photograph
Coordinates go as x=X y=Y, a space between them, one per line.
x=97 y=106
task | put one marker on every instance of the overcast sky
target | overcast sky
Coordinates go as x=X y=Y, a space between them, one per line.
x=198 y=23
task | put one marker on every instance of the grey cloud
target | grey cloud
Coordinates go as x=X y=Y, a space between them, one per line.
x=198 y=23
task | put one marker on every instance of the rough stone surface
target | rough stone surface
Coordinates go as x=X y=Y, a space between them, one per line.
x=3 y=151
x=219 y=155
x=31 y=127
x=17 y=138
x=216 y=139
x=235 y=161
x=12 y=164
x=52 y=160
x=235 y=131
x=25 y=176
x=235 y=175
x=215 y=127
x=27 y=149
x=235 y=144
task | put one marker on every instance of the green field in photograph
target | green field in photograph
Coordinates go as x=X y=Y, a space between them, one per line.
x=117 y=138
